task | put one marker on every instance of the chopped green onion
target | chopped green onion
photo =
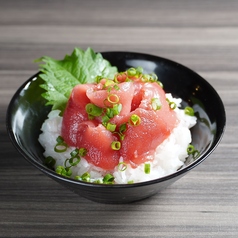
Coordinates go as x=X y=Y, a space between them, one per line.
x=139 y=70
x=116 y=145
x=74 y=153
x=73 y=161
x=131 y=72
x=65 y=163
x=68 y=172
x=75 y=158
x=49 y=162
x=156 y=104
x=135 y=120
x=151 y=78
x=122 y=128
x=196 y=154
x=112 y=98
x=147 y=168
x=128 y=80
x=108 y=179
x=59 y=139
x=120 y=77
x=145 y=78
x=84 y=177
x=105 y=120
x=122 y=166
x=154 y=76
x=134 y=72
x=130 y=182
x=116 y=87
x=82 y=152
x=98 y=78
x=192 y=151
x=93 y=110
x=63 y=171
x=111 y=127
x=59 y=169
x=172 y=105
x=122 y=136
x=98 y=181
x=160 y=84
x=109 y=112
x=109 y=82
x=116 y=109
x=189 y=111
x=61 y=146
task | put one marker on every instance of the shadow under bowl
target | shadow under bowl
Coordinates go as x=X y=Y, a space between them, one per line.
x=27 y=112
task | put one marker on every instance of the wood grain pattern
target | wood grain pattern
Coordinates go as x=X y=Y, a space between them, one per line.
x=202 y=35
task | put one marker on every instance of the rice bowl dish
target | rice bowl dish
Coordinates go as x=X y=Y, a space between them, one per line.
x=111 y=127
x=166 y=160
x=28 y=110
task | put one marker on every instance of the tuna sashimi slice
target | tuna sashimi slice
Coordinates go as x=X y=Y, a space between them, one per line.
x=125 y=94
x=97 y=141
x=75 y=113
x=140 y=141
x=156 y=125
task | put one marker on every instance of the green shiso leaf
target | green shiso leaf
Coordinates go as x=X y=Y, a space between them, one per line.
x=60 y=76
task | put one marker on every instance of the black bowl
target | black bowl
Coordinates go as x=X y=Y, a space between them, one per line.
x=27 y=111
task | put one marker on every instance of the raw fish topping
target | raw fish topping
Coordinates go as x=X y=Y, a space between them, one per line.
x=111 y=128
x=124 y=117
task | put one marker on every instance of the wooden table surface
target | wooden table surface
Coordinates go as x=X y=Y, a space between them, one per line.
x=202 y=35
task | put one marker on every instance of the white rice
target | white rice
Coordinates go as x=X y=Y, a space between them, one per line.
x=168 y=158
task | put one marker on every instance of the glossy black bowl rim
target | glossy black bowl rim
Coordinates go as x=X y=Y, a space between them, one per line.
x=178 y=173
